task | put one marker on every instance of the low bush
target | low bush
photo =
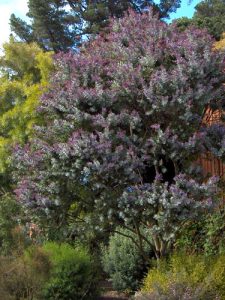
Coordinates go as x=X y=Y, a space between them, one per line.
x=123 y=262
x=179 y=291
x=52 y=271
x=12 y=234
x=24 y=277
x=186 y=277
x=73 y=274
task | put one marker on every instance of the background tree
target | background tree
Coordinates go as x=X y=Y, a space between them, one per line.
x=97 y=13
x=24 y=75
x=124 y=131
x=59 y=24
x=52 y=26
x=209 y=14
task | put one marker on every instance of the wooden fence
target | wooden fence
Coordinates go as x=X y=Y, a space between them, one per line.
x=210 y=164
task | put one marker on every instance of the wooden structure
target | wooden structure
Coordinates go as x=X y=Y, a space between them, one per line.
x=212 y=117
x=210 y=164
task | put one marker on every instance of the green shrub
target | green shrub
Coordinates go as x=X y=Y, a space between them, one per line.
x=12 y=235
x=73 y=274
x=207 y=234
x=187 y=277
x=215 y=233
x=123 y=262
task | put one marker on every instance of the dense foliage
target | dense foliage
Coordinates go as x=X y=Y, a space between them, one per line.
x=60 y=25
x=24 y=276
x=10 y=221
x=24 y=75
x=205 y=236
x=186 y=277
x=103 y=154
x=73 y=274
x=123 y=262
x=124 y=131
x=209 y=14
x=52 y=271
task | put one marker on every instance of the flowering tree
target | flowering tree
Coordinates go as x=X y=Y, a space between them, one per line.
x=123 y=131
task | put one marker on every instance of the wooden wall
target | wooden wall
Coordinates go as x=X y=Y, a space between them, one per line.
x=210 y=164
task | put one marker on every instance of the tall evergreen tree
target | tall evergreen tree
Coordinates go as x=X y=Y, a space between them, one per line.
x=59 y=24
x=21 y=29
x=53 y=27
x=98 y=12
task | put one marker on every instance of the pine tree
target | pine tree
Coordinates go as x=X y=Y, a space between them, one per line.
x=59 y=24
x=21 y=29
x=52 y=26
x=97 y=13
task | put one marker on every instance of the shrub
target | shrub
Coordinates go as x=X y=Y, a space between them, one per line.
x=186 y=277
x=215 y=233
x=123 y=262
x=179 y=291
x=49 y=272
x=156 y=278
x=216 y=278
x=73 y=274
x=12 y=235
x=24 y=277
x=207 y=234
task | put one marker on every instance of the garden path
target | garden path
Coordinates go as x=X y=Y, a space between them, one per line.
x=109 y=293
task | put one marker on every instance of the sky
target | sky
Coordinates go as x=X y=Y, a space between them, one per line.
x=7 y=7
x=186 y=9
x=19 y=8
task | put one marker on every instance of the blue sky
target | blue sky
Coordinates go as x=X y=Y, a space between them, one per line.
x=186 y=9
x=19 y=8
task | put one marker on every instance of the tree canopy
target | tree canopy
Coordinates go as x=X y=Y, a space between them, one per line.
x=124 y=130
x=209 y=14
x=60 y=25
x=24 y=75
